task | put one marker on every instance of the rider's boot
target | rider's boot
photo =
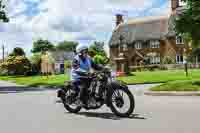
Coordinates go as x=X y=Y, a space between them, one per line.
x=92 y=102
x=81 y=102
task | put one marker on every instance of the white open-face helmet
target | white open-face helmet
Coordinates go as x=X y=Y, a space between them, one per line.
x=81 y=47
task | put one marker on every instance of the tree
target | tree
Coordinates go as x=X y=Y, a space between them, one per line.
x=98 y=47
x=36 y=63
x=67 y=46
x=18 y=52
x=98 y=53
x=187 y=23
x=3 y=16
x=42 y=46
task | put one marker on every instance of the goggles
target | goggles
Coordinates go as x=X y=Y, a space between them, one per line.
x=85 y=51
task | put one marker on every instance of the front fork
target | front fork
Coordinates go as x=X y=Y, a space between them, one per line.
x=113 y=84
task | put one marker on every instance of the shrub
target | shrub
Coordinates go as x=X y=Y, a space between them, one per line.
x=168 y=60
x=16 y=65
x=163 y=68
x=150 y=68
x=3 y=72
x=99 y=59
x=96 y=51
x=68 y=64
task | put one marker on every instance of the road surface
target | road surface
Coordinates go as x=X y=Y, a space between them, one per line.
x=40 y=112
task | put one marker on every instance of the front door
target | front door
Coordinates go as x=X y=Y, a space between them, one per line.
x=62 y=68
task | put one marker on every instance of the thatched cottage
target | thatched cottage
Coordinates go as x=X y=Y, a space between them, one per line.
x=151 y=38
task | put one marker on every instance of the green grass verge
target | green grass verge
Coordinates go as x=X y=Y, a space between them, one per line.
x=55 y=80
x=138 y=78
x=178 y=86
x=160 y=76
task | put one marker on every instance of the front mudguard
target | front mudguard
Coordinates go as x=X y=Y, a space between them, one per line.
x=112 y=86
x=61 y=92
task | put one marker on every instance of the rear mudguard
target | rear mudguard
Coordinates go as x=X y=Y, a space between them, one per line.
x=113 y=86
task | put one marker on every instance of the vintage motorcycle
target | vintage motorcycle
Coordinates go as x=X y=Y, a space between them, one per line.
x=104 y=89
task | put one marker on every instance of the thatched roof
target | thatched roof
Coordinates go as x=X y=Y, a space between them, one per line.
x=141 y=29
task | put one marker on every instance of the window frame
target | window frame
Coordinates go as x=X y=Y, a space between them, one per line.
x=181 y=3
x=138 y=45
x=179 y=41
x=155 y=60
x=179 y=59
x=154 y=44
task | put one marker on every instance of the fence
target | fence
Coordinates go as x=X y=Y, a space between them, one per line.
x=181 y=66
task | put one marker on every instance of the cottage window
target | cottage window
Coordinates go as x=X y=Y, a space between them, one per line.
x=198 y=59
x=154 y=44
x=179 y=40
x=155 y=60
x=182 y=3
x=179 y=59
x=125 y=47
x=138 y=45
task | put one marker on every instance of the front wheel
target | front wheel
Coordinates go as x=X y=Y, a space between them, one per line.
x=122 y=102
x=69 y=101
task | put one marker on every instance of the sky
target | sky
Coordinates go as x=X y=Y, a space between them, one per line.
x=73 y=20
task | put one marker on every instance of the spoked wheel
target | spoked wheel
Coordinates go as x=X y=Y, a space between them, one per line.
x=122 y=102
x=70 y=102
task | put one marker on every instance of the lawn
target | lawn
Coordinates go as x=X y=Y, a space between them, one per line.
x=178 y=86
x=160 y=76
x=55 y=80
x=138 y=78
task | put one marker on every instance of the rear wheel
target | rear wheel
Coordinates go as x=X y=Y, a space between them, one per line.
x=122 y=102
x=70 y=101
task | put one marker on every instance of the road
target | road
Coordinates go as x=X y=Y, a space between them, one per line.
x=40 y=112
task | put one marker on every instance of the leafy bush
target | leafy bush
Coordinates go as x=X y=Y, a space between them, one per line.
x=99 y=59
x=3 y=72
x=16 y=65
x=18 y=52
x=163 y=68
x=168 y=60
x=98 y=54
x=152 y=68
x=36 y=63
x=67 y=64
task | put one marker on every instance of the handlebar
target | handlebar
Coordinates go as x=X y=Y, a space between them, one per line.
x=94 y=74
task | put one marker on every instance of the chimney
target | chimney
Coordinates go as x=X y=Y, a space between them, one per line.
x=174 y=4
x=119 y=19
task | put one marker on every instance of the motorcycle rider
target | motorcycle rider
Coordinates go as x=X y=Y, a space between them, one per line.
x=81 y=68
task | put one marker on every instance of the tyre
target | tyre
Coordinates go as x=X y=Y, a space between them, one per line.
x=69 y=100
x=117 y=102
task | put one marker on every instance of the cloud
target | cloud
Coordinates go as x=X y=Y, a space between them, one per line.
x=163 y=9
x=77 y=20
